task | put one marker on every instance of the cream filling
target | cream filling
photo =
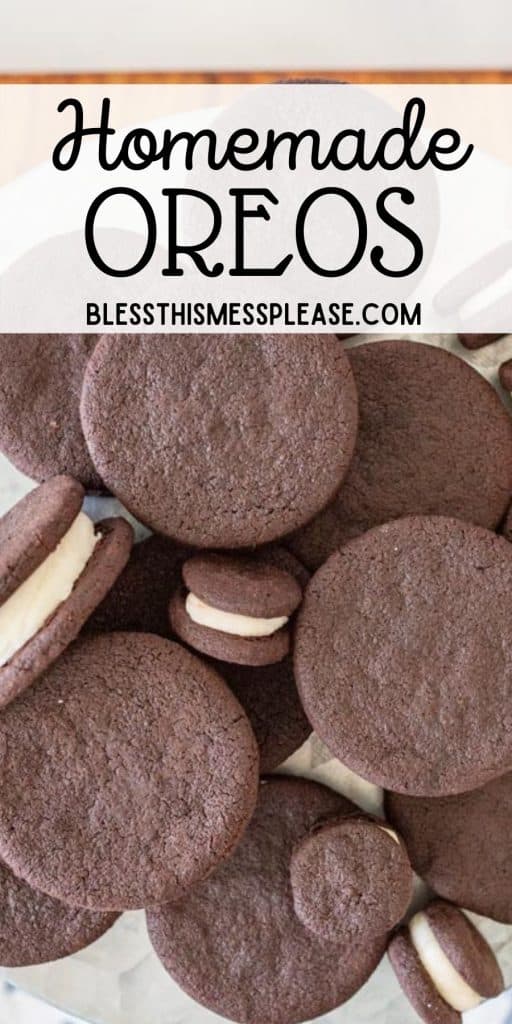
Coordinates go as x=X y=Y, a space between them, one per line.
x=391 y=833
x=448 y=982
x=27 y=610
x=229 y=622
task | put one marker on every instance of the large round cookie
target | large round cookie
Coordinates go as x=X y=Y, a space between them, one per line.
x=461 y=845
x=128 y=773
x=55 y=568
x=240 y=439
x=237 y=946
x=434 y=438
x=40 y=385
x=36 y=929
x=402 y=659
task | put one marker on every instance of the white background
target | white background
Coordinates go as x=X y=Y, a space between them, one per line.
x=52 y=35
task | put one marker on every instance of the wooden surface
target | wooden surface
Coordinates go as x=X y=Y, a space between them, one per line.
x=224 y=77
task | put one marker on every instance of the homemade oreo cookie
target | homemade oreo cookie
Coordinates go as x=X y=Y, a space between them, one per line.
x=56 y=566
x=128 y=773
x=43 y=373
x=37 y=929
x=346 y=873
x=236 y=944
x=401 y=670
x=235 y=609
x=434 y=438
x=240 y=439
x=443 y=964
x=460 y=845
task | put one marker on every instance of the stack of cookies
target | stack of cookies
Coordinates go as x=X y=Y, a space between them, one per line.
x=329 y=549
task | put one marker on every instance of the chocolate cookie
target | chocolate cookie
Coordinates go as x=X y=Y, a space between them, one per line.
x=240 y=439
x=236 y=944
x=346 y=873
x=139 y=599
x=460 y=845
x=474 y=341
x=505 y=375
x=35 y=929
x=434 y=438
x=443 y=964
x=55 y=568
x=41 y=379
x=128 y=773
x=401 y=670
x=235 y=609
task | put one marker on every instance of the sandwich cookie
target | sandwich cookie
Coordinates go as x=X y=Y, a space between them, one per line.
x=240 y=439
x=460 y=845
x=434 y=438
x=151 y=765
x=235 y=609
x=236 y=944
x=400 y=668
x=36 y=929
x=474 y=341
x=56 y=566
x=43 y=373
x=349 y=872
x=443 y=964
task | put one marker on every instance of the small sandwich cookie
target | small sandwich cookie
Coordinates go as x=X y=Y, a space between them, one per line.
x=443 y=964
x=235 y=609
x=36 y=929
x=56 y=566
x=460 y=845
x=348 y=872
x=474 y=341
x=236 y=943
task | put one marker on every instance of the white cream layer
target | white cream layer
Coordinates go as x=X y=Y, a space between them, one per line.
x=27 y=610
x=448 y=982
x=229 y=622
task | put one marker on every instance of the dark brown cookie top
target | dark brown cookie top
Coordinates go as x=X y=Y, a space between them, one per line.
x=245 y=586
x=128 y=773
x=439 y=992
x=139 y=600
x=106 y=562
x=36 y=929
x=347 y=873
x=40 y=386
x=32 y=528
x=465 y=948
x=402 y=671
x=269 y=697
x=474 y=341
x=460 y=845
x=242 y=650
x=240 y=439
x=434 y=438
x=237 y=946
x=505 y=375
